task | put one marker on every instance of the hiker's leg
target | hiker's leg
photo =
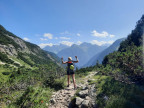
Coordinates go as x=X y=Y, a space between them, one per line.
x=73 y=77
x=68 y=79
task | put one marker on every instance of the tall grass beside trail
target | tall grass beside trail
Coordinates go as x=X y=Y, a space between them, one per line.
x=115 y=94
x=83 y=72
x=33 y=97
x=28 y=88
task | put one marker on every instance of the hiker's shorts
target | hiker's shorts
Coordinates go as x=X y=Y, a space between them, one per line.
x=70 y=72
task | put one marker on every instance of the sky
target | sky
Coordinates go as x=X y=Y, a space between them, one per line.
x=51 y=22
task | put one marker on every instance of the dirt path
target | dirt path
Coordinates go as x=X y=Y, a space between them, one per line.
x=62 y=98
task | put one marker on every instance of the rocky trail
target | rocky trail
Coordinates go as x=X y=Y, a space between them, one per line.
x=85 y=95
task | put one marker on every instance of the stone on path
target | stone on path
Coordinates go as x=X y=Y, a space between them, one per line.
x=87 y=98
x=79 y=101
x=53 y=101
x=85 y=104
x=83 y=93
x=84 y=87
x=62 y=98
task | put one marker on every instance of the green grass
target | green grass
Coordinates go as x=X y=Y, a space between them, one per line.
x=120 y=95
x=22 y=63
x=81 y=76
x=76 y=94
x=36 y=97
x=4 y=78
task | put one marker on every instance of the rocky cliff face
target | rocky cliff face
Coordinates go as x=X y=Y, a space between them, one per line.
x=21 y=43
x=10 y=48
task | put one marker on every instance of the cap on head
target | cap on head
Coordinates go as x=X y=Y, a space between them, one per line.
x=69 y=58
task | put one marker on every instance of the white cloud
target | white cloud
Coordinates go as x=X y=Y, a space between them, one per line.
x=78 y=34
x=42 y=45
x=64 y=38
x=96 y=34
x=100 y=43
x=79 y=42
x=26 y=39
x=66 y=43
x=48 y=35
x=43 y=39
x=111 y=36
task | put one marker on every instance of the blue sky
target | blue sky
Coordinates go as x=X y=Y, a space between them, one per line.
x=48 y=22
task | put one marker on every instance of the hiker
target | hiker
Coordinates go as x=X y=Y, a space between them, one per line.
x=70 y=69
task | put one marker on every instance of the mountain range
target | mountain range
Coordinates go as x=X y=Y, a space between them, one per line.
x=87 y=53
x=55 y=48
x=100 y=56
x=84 y=51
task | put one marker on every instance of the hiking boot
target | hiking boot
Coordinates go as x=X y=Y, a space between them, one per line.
x=75 y=88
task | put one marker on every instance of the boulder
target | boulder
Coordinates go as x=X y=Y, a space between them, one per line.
x=79 y=101
x=53 y=101
x=85 y=104
x=84 y=87
x=106 y=98
x=83 y=94
x=87 y=98
x=8 y=49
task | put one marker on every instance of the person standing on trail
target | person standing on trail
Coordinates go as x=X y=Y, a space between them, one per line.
x=70 y=69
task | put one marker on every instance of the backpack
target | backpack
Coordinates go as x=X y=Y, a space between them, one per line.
x=71 y=67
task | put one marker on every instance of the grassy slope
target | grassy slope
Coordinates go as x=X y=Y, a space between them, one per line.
x=30 y=83
x=120 y=80
x=115 y=94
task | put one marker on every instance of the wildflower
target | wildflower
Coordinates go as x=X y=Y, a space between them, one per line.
x=42 y=101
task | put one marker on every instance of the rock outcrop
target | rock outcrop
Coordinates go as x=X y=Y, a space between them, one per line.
x=8 y=49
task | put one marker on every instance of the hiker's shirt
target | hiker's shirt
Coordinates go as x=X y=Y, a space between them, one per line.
x=70 y=71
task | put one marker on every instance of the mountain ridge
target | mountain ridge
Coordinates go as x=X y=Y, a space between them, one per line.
x=100 y=56
x=84 y=52
x=12 y=45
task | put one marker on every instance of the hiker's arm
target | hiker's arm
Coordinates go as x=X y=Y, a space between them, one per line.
x=63 y=61
x=76 y=60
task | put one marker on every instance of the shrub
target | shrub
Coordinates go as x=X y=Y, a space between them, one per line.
x=6 y=73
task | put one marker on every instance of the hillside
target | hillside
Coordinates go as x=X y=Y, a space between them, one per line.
x=100 y=56
x=120 y=78
x=13 y=46
x=84 y=52
x=24 y=67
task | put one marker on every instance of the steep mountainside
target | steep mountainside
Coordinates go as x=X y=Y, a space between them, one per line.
x=121 y=77
x=84 y=52
x=136 y=36
x=129 y=55
x=100 y=56
x=119 y=82
x=28 y=74
x=31 y=54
